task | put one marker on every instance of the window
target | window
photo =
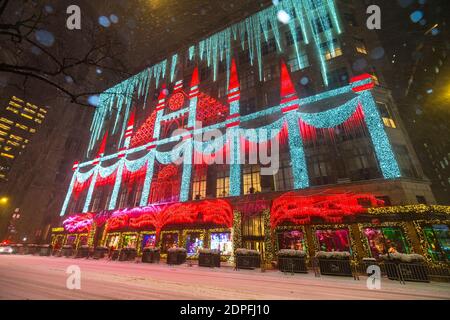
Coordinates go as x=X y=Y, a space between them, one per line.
x=291 y=239
x=252 y=179
x=248 y=81
x=333 y=240
x=323 y=24
x=7 y=121
x=319 y=169
x=253 y=226
x=338 y=78
x=269 y=47
x=386 y=116
x=385 y=240
x=284 y=179
x=199 y=184
x=222 y=184
x=350 y=18
x=360 y=164
x=360 y=46
x=421 y=200
x=205 y=73
x=407 y=168
x=4 y=127
x=331 y=51
x=438 y=239
x=270 y=72
x=248 y=106
x=294 y=64
x=123 y=199
x=290 y=38
x=137 y=195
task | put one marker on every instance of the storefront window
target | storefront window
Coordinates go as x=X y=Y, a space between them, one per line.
x=438 y=238
x=129 y=241
x=385 y=240
x=113 y=241
x=83 y=241
x=149 y=241
x=222 y=241
x=169 y=240
x=292 y=239
x=333 y=240
x=193 y=243
x=71 y=240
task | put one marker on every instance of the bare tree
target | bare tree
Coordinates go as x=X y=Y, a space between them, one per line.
x=62 y=64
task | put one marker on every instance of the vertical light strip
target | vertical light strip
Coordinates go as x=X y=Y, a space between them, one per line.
x=385 y=155
x=117 y=183
x=87 y=203
x=298 y=161
x=235 y=156
x=69 y=193
x=187 y=171
x=148 y=178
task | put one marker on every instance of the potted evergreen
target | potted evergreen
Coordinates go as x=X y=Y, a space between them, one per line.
x=334 y=263
x=406 y=267
x=247 y=259
x=209 y=258
x=176 y=256
x=292 y=261
x=150 y=255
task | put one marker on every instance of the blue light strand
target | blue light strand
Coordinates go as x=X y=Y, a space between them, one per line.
x=233 y=137
x=265 y=133
x=332 y=117
x=148 y=179
x=187 y=171
x=90 y=192
x=115 y=193
x=385 y=155
x=298 y=161
x=173 y=66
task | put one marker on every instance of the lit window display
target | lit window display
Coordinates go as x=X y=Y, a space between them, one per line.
x=83 y=241
x=71 y=240
x=169 y=240
x=333 y=240
x=222 y=241
x=113 y=241
x=292 y=239
x=149 y=241
x=385 y=240
x=438 y=238
x=129 y=241
x=193 y=243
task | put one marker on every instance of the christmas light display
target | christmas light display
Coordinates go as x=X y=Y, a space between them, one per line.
x=252 y=33
x=78 y=223
x=332 y=208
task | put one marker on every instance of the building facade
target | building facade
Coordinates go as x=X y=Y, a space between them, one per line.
x=261 y=136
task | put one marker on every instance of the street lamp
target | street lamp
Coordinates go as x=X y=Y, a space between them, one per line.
x=4 y=200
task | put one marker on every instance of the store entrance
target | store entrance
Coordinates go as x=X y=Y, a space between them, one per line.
x=253 y=232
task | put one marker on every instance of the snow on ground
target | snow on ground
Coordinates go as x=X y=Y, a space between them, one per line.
x=34 y=277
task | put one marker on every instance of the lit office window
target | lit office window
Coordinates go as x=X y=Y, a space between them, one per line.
x=7 y=121
x=7 y=155
x=199 y=184
x=26 y=116
x=4 y=127
x=331 y=52
x=222 y=184
x=12 y=109
x=252 y=179
x=360 y=46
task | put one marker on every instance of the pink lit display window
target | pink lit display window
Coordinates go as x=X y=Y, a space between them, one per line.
x=333 y=240
x=291 y=239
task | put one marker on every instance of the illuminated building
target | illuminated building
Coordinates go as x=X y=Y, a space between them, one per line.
x=345 y=160
x=19 y=121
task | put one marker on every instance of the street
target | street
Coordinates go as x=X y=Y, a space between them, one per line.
x=34 y=277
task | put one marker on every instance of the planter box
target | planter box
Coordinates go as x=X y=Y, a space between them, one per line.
x=335 y=267
x=292 y=264
x=115 y=254
x=67 y=251
x=45 y=250
x=100 y=252
x=150 y=255
x=209 y=260
x=31 y=249
x=82 y=252
x=127 y=254
x=176 y=257
x=248 y=261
